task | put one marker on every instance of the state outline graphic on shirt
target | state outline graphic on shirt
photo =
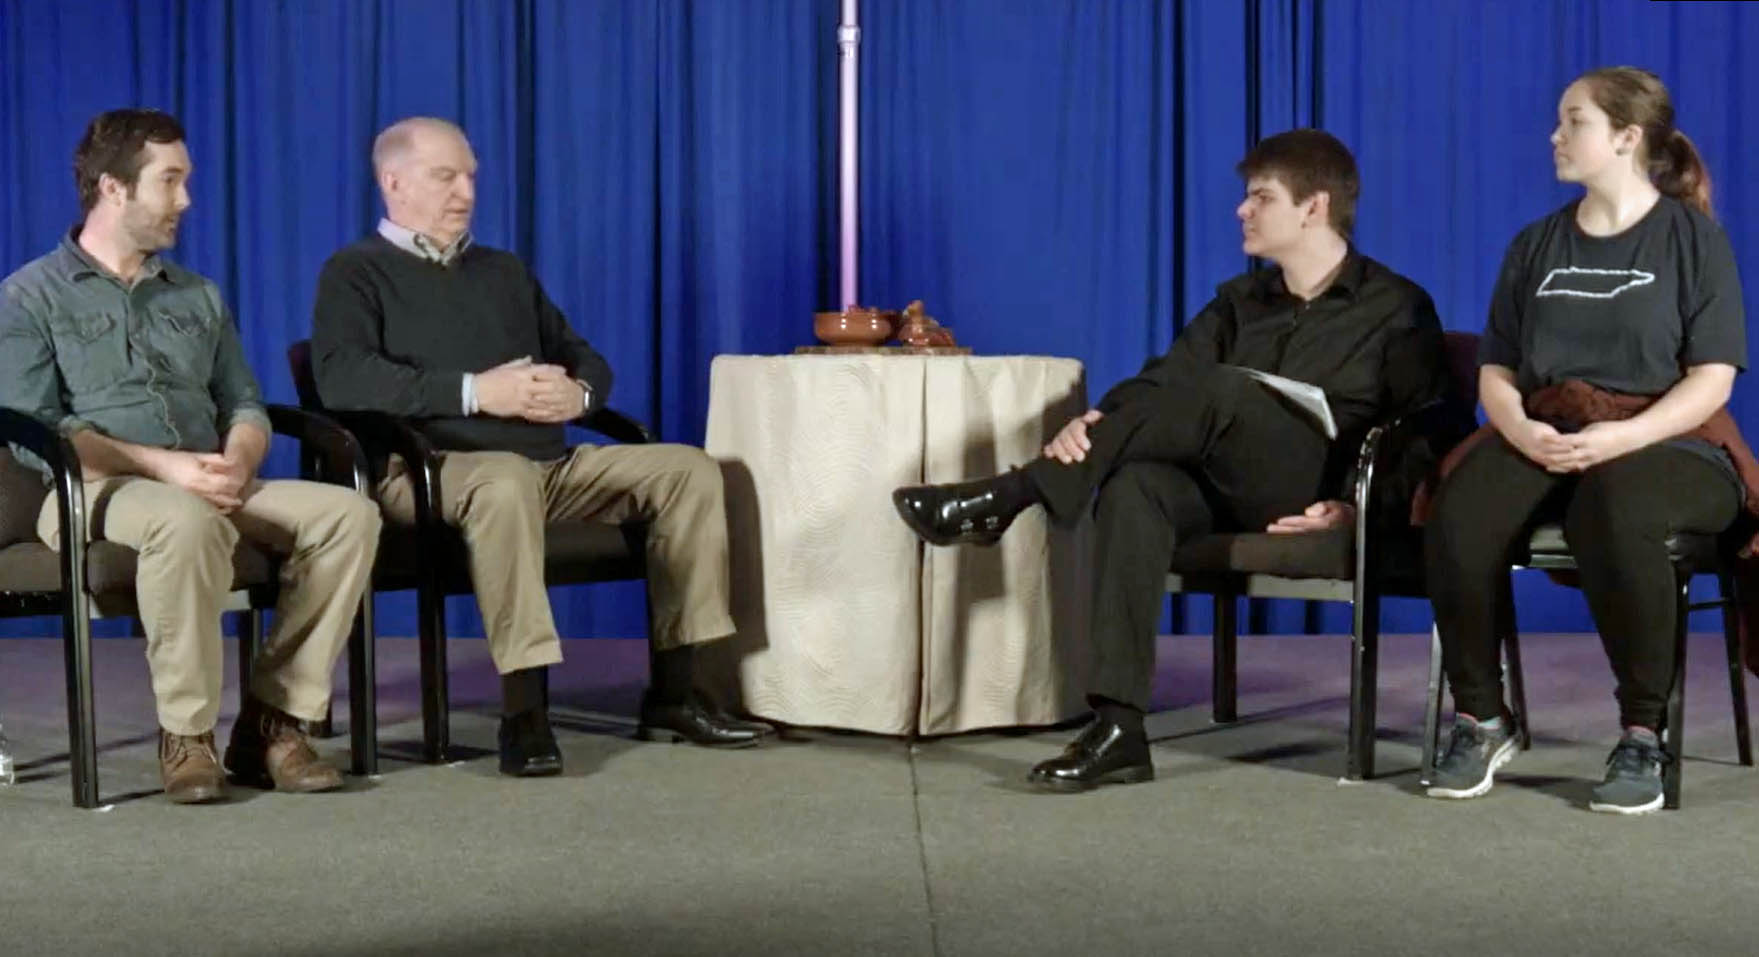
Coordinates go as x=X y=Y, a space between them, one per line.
x=1588 y=283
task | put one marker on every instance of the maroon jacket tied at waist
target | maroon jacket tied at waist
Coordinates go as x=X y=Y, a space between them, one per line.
x=1575 y=404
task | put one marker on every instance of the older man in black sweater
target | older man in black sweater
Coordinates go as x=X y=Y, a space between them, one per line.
x=418 y=321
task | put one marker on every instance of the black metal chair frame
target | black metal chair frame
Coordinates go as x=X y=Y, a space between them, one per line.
x=326 y=449
x=1363 y=591
x=1688 y=563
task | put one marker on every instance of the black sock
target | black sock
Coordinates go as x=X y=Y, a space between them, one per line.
x=670 y=678
x=1128 y=717
x=524 y=690
x=1014 y=490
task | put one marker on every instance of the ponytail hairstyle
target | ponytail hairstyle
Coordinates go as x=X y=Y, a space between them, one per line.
x=1634 y=97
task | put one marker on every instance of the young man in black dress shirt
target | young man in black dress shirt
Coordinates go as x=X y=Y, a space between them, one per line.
x=1192 y=444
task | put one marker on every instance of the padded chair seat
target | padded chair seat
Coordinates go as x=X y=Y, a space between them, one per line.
x=573 y=552
x=110 y=568
x=1328 y=554
x=1548 y=549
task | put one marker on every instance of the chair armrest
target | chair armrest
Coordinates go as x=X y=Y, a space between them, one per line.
x=339 y=454
x=612 y=424
x=40 y=438
x=384 y=434
x=45 y=441
x=1382 y=448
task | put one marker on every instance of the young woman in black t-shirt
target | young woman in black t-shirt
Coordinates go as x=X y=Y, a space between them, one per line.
x=1631 y=289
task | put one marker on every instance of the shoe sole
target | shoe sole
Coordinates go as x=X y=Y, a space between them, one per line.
x=1650 y=807
x=1133 y=775
x=933 y=538
x=1503 y=756
x=259 y=779
x=663 y=736
x=549 y=772
x=214 y=796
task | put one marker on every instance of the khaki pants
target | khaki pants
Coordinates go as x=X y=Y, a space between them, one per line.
x=500 y=501
x=326 y=536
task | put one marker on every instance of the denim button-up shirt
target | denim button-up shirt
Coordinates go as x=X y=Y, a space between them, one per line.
x=157 y=363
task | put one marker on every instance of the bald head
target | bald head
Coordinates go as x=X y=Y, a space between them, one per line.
x=396 y=142
x=427 y=174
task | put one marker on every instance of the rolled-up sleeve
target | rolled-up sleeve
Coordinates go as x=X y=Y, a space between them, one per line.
x=238 y=400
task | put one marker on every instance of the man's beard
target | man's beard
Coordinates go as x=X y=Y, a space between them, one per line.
x=150 y=234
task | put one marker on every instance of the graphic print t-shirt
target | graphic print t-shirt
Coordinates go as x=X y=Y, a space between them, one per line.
x=1628 y=312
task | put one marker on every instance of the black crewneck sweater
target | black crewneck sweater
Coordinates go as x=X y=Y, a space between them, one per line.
x=393 y=332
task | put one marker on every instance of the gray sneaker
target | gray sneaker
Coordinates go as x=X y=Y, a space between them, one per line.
x=1473 y=755
x=1633 y=776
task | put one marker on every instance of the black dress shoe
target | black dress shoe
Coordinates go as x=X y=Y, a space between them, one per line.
x=962 y=513
x=762 y=729
x=528 y=746
x=690 y=721
x=1106 y=753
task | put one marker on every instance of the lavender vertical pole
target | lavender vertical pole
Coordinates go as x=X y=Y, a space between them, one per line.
x=848 y=99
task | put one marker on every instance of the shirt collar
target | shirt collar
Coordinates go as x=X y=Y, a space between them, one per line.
x=416 y=244
x=76 y=263
x=1268 y=283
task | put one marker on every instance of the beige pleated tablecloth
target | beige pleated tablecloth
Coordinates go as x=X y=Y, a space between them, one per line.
x=845 y=619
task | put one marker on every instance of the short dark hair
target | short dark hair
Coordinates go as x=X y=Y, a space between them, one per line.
x=115 y=143
x=1307 y=161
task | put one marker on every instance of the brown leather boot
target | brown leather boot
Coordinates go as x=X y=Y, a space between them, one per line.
x=269 y=749
x=190 y=768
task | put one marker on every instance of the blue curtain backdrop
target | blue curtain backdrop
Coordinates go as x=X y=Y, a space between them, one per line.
x=1049 y=176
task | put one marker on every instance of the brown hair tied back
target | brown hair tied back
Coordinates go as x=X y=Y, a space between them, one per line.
x=1635 y=97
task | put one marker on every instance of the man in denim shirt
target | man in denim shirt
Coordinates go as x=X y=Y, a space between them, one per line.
x=138 y=362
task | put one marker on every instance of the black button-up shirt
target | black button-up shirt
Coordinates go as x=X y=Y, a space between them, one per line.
x=1371 y=340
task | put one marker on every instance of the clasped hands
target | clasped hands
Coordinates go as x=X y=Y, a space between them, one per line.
x=1561 y=452
x=1071 y=445
x=535 y=392
x=216 y=477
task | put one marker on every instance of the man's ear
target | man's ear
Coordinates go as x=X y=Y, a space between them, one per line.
x=111 y=188
x=387 y=181
x=1318 y=210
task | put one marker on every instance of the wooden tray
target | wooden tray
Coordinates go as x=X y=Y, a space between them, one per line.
x=882 y=350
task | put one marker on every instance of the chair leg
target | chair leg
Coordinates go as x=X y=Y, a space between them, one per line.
x=1673 y=733
x=1513 y=675
x=250 y=638
x=435 y=721
x=1432 y=708
x=363 y=694
x=1737 y=673
x=1364 y=686
x=1224 y=687
x=82 y=721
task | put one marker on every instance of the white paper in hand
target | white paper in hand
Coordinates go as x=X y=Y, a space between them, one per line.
x=1310 y=398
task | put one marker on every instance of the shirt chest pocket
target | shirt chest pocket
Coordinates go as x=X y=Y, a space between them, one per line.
x=91 y=349
x=182 y=344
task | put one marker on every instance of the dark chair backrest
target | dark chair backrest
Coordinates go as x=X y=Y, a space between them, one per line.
x=21 y=497
x=1462 y=357
x=304 y=382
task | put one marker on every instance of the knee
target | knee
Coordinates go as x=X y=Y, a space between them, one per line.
x=358 y=518
x=513 y=490
x=189 y=524
x=1124 y=493
x=1456 y=552
x=698 y=474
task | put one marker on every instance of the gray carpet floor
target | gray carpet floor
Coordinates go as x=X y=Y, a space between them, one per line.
x=832 y=843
